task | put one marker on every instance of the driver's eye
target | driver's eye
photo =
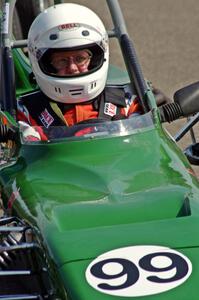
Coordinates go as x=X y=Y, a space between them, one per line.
x=80 y=59
x=60 y=63
x=63 y=61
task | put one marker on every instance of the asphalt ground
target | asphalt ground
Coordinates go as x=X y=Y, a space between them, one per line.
x=165 y=34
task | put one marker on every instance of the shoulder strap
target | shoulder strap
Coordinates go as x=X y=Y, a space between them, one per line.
x=58 y=112
x=41 y=110
x=110 y=103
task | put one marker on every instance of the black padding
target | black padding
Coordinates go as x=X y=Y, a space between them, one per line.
x=188 y=98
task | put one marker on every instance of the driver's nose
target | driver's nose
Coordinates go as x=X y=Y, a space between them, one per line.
x=72 y=67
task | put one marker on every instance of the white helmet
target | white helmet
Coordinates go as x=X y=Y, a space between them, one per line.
x=69 y=27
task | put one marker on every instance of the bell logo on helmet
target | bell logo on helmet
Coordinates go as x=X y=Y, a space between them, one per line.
x=70 y=26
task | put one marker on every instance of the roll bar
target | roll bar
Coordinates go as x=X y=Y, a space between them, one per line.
x=7 y=77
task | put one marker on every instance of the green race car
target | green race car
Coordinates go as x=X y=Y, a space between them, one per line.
x=111 y=213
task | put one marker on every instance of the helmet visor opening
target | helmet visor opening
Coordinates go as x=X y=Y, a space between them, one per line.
x=71 y=62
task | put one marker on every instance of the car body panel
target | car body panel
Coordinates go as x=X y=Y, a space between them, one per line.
x=89 y=195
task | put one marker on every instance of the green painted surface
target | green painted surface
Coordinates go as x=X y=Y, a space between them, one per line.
x=91 y=196
x=23 y=73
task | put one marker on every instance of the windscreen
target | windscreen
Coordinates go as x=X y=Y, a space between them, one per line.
x=89 y=129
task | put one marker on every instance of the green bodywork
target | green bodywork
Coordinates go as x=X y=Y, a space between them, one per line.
x=89 y=196
x=23 y=73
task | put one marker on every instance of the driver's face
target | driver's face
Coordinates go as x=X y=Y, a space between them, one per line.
x=71 y=62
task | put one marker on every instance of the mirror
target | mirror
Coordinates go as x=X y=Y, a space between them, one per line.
x=188 y=99
x=186 y=103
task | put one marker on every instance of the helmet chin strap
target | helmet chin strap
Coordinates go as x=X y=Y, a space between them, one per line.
x=58 y=112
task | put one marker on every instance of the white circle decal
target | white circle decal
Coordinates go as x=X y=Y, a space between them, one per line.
x=138 y=271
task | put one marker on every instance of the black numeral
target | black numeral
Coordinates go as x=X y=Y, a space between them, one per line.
x=129 y=269
x=178 y=263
